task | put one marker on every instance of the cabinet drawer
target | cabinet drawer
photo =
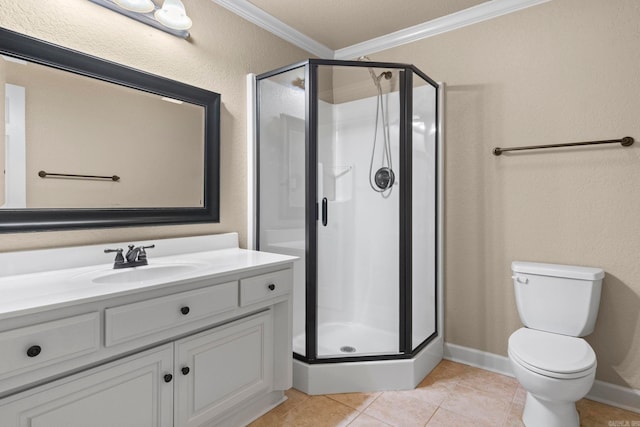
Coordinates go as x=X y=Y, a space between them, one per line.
x=45 y=344
x=131 y=321
x=265 y=286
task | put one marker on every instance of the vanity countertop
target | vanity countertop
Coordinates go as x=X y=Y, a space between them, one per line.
x=30 y=292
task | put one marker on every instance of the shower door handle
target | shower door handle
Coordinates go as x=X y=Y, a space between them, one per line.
x=325 y=211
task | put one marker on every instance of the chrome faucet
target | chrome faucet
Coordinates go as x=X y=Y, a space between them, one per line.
x=136 y=256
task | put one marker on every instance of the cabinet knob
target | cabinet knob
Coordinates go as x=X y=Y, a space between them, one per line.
x=168 y=378
x=34 y=350
x=271 y=286
x=184 y=310
x=185 y=370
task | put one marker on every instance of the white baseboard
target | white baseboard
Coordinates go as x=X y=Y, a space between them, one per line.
x=479 y=359
x=603 y=392
x=615 y=395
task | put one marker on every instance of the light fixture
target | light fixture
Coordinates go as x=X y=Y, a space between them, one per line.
x=171 y=17
x=140 y=6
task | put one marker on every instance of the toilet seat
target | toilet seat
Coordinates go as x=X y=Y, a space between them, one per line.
x=552 y=355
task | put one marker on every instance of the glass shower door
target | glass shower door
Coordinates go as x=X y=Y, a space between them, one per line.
x=358 y=173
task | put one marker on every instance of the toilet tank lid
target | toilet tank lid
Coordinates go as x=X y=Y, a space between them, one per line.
x=558 y=270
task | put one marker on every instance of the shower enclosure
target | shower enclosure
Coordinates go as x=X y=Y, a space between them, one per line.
x=347 y=180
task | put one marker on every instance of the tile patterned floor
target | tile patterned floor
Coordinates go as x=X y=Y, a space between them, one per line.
x=451 y=395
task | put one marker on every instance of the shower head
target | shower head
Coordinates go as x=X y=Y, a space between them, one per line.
x=387 y=75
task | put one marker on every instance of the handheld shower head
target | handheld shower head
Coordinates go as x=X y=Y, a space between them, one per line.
x=387 y=75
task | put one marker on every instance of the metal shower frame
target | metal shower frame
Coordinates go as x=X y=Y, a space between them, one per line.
x=405 y=221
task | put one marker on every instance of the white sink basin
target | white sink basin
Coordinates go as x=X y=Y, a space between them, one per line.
x=145 y=273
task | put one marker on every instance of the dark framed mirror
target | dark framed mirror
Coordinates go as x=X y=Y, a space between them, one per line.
x=91 y=143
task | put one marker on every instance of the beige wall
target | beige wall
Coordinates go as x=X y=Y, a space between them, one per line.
x=567 y=70
x=222 y=50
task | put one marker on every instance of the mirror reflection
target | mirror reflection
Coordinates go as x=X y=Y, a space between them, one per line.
x=64 y=123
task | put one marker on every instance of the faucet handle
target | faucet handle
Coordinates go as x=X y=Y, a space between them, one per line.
x=142 y=255
x=119 y=258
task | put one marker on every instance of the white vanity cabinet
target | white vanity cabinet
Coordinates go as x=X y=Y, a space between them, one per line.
x=210 y=349
x=190 y=382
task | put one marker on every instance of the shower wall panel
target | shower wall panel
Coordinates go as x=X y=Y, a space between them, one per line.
x=359 y=282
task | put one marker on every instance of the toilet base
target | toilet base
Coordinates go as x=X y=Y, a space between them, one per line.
x=544 y=413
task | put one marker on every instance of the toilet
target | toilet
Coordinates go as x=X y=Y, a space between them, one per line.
x=557 y=304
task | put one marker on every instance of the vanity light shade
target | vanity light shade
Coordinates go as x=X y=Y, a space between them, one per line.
x=173 y=15
x=140 y=6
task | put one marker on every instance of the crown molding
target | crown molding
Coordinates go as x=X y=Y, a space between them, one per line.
x=454 y=21
x=262 y=19
x=482 y=12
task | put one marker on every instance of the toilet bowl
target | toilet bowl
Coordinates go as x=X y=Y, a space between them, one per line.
x=557 y=304
x=556 y=371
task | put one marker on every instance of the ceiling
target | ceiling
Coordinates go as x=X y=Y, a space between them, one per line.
x=341 y=23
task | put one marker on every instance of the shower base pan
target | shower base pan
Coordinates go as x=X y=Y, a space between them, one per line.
x=378 y=375
x=350 y=339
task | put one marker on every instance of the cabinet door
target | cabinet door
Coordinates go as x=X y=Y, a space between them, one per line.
x=222 y=367
x=131 y=392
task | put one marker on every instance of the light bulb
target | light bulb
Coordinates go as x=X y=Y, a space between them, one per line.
x=140 y=6
x=173 y=15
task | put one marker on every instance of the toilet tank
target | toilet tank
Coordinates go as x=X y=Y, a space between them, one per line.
x=562 y=299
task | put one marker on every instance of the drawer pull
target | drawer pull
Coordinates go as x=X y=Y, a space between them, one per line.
x=34 y=350
x=184 y=310
x=185 y=370
x=168 y=378
x=271 y=286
